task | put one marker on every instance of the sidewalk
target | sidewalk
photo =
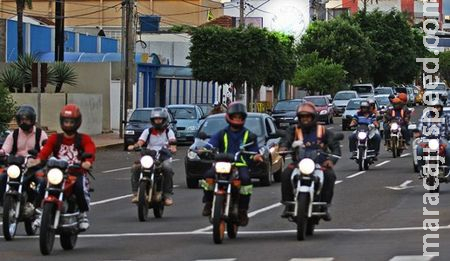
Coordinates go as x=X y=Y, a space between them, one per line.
x=107 y=140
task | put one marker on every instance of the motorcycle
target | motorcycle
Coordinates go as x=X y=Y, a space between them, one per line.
x=151 y=183
x=364 y=156
x=60 y=210
x=19 y=204
x=226 y=193
x=396 y=142
x=416 y=142
x=307 y=181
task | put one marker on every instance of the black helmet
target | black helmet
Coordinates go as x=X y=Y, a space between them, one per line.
x=236 y=108
x=161 y=114
x=27 y=112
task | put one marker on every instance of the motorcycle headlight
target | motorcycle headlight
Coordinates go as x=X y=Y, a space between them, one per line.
x=55 y=176
x=147 y=162
x=306 y=166
x=433 y=144
x=323 y=112
x=192 y=128
x=223 y=167
x=192 y=155
x=129 y=132
x=362 y=135
x=394 y=126
x=13 y=171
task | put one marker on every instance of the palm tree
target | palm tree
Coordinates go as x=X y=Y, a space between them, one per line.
x=62 y=73
x=24 y=66
x=20 y=6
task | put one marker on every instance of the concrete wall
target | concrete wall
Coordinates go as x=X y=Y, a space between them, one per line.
x=169 y=52
x=92 y=110
x=115 y=105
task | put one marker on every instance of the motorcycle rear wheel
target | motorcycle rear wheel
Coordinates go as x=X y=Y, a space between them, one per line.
x=218 y=222
x=143 y=201
x=9 y=220
x=47 y=233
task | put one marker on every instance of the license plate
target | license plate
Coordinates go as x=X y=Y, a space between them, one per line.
x=284 y=124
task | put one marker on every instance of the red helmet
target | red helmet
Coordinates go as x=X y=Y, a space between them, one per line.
x=236 y=108
x=70 y=111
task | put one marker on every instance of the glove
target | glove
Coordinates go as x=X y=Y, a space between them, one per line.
x=130 y=147
x=86 y=165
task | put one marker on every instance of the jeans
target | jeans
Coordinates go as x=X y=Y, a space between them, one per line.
x=373 y=143
x=168 y=177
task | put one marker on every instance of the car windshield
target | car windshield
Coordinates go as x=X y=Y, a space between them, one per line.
x=383 y=91
x=362 y=89
x=344 y=96
x=213 y=125
x=206 y=108
x=318 y=101
x=384 y=101
x=287 y=105
x=183 y=113
x=353 y=105
x=141 y=116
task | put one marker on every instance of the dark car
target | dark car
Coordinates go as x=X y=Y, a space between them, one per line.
x=138 y=122
x=285 y=112
x=262 y=126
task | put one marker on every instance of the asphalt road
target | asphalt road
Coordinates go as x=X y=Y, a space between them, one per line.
x=377 y=215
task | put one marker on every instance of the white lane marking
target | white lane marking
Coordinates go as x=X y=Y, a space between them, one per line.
x=411 y=258
x=110 y=200
x=267 y=232
x=337 y=182
x=404 y=155
x=313 y=259
x=356 y=174
x=114 y=170
x=222 y=259
x=402 y=186
x=175 y=160
x=251 y=214
x=382 y=163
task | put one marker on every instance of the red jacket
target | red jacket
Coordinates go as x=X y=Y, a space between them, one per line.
x=67 y=150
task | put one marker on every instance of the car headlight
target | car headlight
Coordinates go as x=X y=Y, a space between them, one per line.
x=55 y=176
x=323 y=112
x=13 y=171
x=306 y=166
x=192 y=155
x=147 y=162
x=394 y=126
x=129 y=132
x=192 y=128
x=432 y=144
x=223 y=167
x=362 y=135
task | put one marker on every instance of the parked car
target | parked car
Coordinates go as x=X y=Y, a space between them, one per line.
x=341 y=99
x=323 y=107
x=364 y=90
x=188 y=119
x=384 y=90
x=138 y=122
x=284 y=112
x=352 y=108
x=409 y=93
x=263 y=126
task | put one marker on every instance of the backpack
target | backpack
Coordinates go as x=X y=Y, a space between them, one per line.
x=59 y=140
x=37 y=146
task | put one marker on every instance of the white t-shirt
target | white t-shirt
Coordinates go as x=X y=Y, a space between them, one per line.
x=159 y=140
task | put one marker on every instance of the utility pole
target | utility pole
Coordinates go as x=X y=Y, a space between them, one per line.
x=59 y=30
x=241 y=13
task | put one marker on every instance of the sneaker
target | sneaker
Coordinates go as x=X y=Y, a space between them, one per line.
x=207 y=209
x=287 y=212
x=134 y=199
x=243 y=217
x=83 y=221
x=37 y=221
x=168 y=201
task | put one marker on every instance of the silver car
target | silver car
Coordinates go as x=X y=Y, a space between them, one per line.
x=341 y=99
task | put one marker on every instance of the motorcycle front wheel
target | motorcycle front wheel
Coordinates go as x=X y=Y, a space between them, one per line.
x=218 y=222
x=301 y=215
x=394 y=147
x=9 y=217
x=47 y=233
x=143 y=201
x=68 y=240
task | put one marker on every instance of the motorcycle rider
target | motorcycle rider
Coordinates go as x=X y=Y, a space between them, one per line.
x=19 y=142
x=365 y=112
x=402 y=115
x=229 y=140
x=373 y=107
x=156 y=137
x=404 y=99
x=313 y=135
x=70 y=145
x=443 y=125
x=217 y=108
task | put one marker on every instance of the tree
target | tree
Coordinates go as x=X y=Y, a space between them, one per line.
x=62 y=73
x=20 y=7
x=7 y=108
x=24 y=66
x=12 y=79
x=319 y=75
x=341 y=41
x=444 y=67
